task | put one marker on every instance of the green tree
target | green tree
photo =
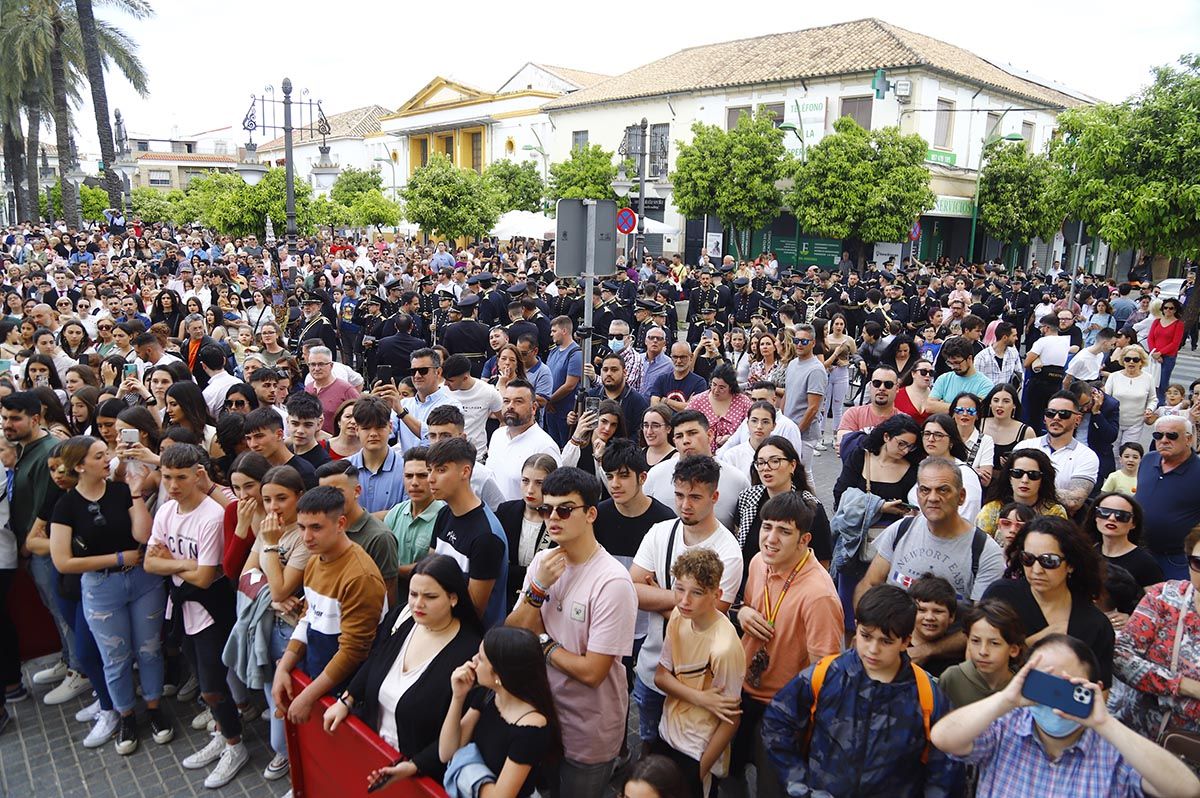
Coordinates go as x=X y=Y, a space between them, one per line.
x=203 y=194
x=372 y=208
x=587 y=174
x=151 y=205
x=352 y=182
x=327 y=213
x=700 y=168
x=1017 y=198
x=448 y=201
x=862 y=185
x=517 y=187
x=755 y=161
x=245 y=210
x=93 y=202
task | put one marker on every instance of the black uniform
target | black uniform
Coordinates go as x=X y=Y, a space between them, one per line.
x=744 y=306
x=317 y=327
x=701 y=297
x=467 y=337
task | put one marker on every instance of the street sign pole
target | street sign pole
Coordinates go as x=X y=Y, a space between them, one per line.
x=589 y=280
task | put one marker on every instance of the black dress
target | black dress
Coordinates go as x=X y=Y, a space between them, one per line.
x=499 y=740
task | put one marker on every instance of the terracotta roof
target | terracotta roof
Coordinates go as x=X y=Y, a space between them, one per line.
x=577 y=76
x=191 y=157
x=347 y=124
x=845 y=48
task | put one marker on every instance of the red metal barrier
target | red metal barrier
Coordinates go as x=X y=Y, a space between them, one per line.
x=337 y=765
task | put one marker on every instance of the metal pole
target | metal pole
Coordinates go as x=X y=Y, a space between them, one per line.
x=1075 y=267
x=289 y=167
x=589 y=280
x=639 y=243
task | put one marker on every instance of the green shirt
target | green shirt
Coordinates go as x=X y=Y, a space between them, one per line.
x=31 y=481
x=414 y=535
x=377 y=541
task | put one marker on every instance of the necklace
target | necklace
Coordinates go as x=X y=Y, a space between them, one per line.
x=562 y=599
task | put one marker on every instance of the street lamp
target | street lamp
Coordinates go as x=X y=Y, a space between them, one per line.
x=975 y=206
x=392 y=163
x=792 y=127
x=542 y=152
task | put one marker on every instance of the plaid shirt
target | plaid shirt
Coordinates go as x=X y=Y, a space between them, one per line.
x=635 y=368
x=985 y=364
x=1013 y=764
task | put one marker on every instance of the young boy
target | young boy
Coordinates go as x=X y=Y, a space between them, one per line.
x=304 y=420
x=936 y=607
x=1124 y=479
x=866 y=731
x=701 y=653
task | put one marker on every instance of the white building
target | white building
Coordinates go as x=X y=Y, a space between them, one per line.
x=349 y=142
x=951 y=97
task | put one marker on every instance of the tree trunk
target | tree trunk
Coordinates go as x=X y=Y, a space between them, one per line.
x=14 y=167
x=95 y=73
x=62 y=130
x=33 y=115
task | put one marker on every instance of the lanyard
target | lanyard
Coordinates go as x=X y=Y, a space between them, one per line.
x=769 y=612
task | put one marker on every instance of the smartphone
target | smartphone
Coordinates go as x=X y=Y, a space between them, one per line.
x=5 y=366
x=1058 y=693
x=379 y=784
x=384 y=374
x=591 y=404
x=130 y=436
x=40 y=381
x=130 y=370
x=707 y=335
x=906 y=507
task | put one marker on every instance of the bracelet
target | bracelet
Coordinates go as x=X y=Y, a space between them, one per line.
x=120 y=559
x=550 y=649
x=538 y=590
x=533 y=582
x=210 y=490
x=135 y=498
x=534 y=600
x=342 y=700
x=269 y=549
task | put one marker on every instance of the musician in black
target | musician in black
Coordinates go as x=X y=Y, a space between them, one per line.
x=468 y=337
x=441 y=315
x=705 y=295
x=313 y=324
x=745 y=302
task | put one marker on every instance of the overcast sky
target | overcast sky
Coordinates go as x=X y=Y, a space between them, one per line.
x=205 y=59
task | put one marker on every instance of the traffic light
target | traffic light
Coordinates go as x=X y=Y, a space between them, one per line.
x=880 y=84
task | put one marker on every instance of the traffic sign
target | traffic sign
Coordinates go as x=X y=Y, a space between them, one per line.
x=571 y=238
x=626 y=220
x=915 y=232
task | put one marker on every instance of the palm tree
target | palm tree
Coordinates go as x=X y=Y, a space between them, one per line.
x=13 y=144
x=94 y=61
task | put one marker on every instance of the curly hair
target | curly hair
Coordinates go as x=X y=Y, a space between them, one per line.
x=1085 y=580
x=701 y=564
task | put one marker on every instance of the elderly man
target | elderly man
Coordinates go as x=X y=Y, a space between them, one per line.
x=330 y=390
x=1168 y=488
x=655 y=362
x=675 y=388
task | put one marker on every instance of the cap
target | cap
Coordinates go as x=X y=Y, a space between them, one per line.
x=768 y=307
x=467 y=302
x=725 y=268
x=516 y=288
x=741 y=281
x=372 y=300
x=390 y=284
x=610 y=285
x=662 y=268
x=646 y=304
x=483 y=277
x=473 y=279
x=708 y=309
x=310 y=299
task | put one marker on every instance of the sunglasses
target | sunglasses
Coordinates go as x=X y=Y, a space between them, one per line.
x=1131 y=360
x=562 y=511
x=924 y=372
x=97 y=516
x=235 y=403
x=965 y=411
x=1194 y=562
x=883 y=384
x=1008 y=523
x=1171 y=436
x=1121 y=516
x=803 y=341
x=1047 y=561
x=422 y=370
x=1059 y=414
x=1020 y=473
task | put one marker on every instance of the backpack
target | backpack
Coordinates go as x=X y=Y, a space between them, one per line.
x=851 y=442
x=978 y=541
x=924 y=695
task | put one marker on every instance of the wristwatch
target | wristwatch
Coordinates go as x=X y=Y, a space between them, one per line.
x=266 y=549
x=403 y=412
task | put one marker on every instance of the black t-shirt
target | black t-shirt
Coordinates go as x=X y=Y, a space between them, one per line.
x=307 y=472
x=471 y=538
x=499 y=740
x=316 y=457
x=621 y=535
x=97 y=528
x=1141 y=564
x=46 y=511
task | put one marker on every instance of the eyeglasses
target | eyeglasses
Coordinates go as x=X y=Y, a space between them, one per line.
x=422 y=370
x=771 y=463
x=230 y=403
x=924 y=372
x=1062 y=415
x=681 y=357
x=965 y=411
x=1194 y=562
x=1158 y=436
x=904 y=446
x=933 y=435
x=315 y=363
x=649 y=425
x=1047 y=561
x=562 y=511
x=889 y=384
x=97 y=515
x=1020 y=473
x=1120 y=516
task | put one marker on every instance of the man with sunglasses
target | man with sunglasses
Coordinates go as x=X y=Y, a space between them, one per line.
x=805 y=383
x=882 y=388
x=1077 y=467
x=1169 y=491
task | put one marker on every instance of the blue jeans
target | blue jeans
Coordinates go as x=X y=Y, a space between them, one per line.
x=45 y=577
x=1164 y=379
x=125 y=613
x=281 y=633
x=84 y=646
x=1174 y=566
x=577 y=780
x=650 y=709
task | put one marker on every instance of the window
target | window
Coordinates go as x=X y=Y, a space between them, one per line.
x=993 y=126
x=858 y=109
x=160 y=177
x=943 y=131
x=220 y=147
x=423 y=151
x=448 y=147
x=660 y=145
x=732 y=114
x=143 y=146
x=579 y=140
x=776 y=112
x=1027 y=134
x=477 y=152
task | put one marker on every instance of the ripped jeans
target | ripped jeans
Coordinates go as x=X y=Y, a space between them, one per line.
x=125 y=613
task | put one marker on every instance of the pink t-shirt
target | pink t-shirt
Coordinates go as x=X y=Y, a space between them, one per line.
x=862 y=417
x=598 y=612
x=198 y=535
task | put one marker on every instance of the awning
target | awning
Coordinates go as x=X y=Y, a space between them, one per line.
x=442 y=127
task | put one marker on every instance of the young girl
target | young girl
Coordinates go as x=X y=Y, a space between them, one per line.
x=1174 y=404
x=995 y=644
x=1124 y=479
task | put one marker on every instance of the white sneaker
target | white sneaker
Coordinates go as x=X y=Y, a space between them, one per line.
x=287 y=794
x=188 y=690
x=206 y=755
x=233 y=759
x=89 y=713
x=74 y=685
x=266 y=714
x=107 y=723
x=55 y=673
x=278 y=768
x=202 y=720
x=820 y=446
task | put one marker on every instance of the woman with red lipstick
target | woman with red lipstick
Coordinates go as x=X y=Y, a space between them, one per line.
x=1118 y=522
x=1028 y=479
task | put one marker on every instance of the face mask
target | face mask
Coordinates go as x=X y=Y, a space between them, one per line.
x=1053 y=725
x=616 y=344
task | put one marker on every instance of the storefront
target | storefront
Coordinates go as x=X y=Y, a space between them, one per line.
x=945 y=229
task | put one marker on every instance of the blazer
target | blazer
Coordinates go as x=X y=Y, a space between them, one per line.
x=1103 y=427
x=511 y=515
x=421 y=710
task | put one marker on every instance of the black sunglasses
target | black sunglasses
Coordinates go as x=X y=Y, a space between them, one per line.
x=1194 y=562
x=1032 y=473
x=563 y=511
x=1059 y=414
x=1158 y=436
x=883 y=383
x=1047 y=561
x=1121 y=516
x=235 y=402
x=422 y=370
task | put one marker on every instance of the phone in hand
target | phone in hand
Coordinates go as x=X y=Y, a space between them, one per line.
x=130 y=435
x=384 y=781
x=591 y=404
x=1058 y=693
x=130 y=370
x=384 y=374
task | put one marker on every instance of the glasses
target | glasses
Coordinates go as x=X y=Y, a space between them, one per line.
x=1062 y=415
x=315 y=363
x=965 y=411
x=422 y=370
x=681 y=357
x=561 y=511
x=924 y=372
x=231 y=403
x=650 y=425
x=883 y=384
x=1158 y=436
x=1131 y=360
x=803 y=341
x=1020 y=473
x=1008 y=523
x=103 y=327
x=934 y=435
x=1047 y=561
x=97 y=516
x=1120 y=516
x=770 y=463
x=904 y=446
x=1194 y=562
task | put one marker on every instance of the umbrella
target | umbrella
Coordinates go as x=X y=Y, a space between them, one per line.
x=526 y=224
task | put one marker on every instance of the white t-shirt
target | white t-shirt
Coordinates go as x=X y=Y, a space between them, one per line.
x=652 y=555
x=1070 y=462
x=198 y=535
x=660 y=484
x=1086 y=365
x=478 y=403
x=1053 y=349
x=921 y=552
x=507 y=456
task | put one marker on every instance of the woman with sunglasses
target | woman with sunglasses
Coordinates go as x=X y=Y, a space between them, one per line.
x=981 y=449
x=1060 y=582
x=940 y=438
x=1117 y=518
x=240 y=398
x=1157 y=655
x=1134 y=390
x=1166 y=334
x=1000 y=420
x=1027 y=479
x=913 y=396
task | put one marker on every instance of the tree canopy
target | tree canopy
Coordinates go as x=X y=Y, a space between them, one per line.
x=1017 y=200
x=699 y=171
x=352 y=182
x=518 y=187
x=452 y=202
x=372 y=208
x=587 y=174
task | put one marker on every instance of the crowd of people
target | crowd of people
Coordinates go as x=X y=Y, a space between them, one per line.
x=389 y=465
